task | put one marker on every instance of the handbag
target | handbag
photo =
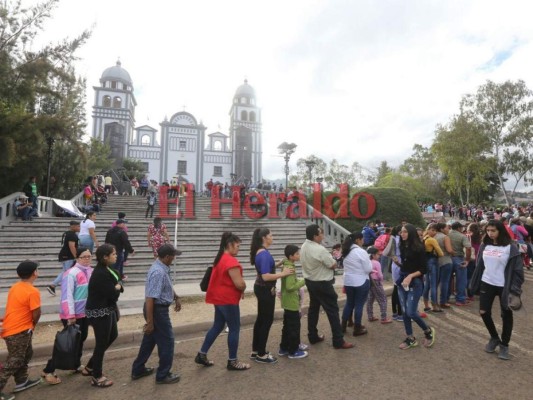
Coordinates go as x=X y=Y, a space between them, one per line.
x=514 y=302
x=204 y=284
x=66 y=348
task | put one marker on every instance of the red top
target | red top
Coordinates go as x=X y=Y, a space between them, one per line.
x=222 y=290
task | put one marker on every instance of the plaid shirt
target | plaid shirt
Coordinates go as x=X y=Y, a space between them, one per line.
x=159 y=284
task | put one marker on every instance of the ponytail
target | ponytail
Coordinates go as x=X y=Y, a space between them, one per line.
x=257 y=242
x=226 y=239
x=350 y=239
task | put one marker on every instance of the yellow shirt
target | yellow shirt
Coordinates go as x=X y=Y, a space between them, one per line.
x=316 y=262
x=432 y=245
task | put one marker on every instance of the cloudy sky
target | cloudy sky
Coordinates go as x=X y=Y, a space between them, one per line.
x=356 y=80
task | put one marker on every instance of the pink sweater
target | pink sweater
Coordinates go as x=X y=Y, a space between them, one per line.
x=376 y=273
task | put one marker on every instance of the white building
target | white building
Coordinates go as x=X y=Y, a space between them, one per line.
x=184 y=151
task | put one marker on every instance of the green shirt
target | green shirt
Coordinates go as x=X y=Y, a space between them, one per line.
x=290 y=285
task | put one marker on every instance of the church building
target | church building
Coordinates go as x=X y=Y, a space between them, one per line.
x=181 y=150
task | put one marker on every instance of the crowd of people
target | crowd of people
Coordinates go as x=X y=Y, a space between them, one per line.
x=431 y=264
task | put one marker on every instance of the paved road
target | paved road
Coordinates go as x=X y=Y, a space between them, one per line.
x=455 y=368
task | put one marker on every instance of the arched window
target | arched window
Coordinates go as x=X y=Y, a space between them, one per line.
x=117 y=102
x=252 y=116
x=243 y=100
x=244 y=116
x=113 y=84
x=145 y=140
x=217 y=145
x=107 y=101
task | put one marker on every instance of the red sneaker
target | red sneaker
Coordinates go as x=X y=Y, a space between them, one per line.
x=423 y=315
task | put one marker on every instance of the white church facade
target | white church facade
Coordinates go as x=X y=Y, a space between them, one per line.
x=181 y=149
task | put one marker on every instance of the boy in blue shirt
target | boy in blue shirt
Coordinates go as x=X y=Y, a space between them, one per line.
x=290 y=301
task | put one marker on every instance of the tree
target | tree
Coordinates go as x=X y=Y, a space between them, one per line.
x=301 y=178
x=459 y=149
x=383 y=170
x=503 y=112
x=40 y=96
x=133 y=168
x=412 y=185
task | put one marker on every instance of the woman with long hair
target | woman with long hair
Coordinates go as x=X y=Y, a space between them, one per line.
x=499 y=273
x=431 y=281
x=411 y=285
x=157 y=235
x=357 y=269
x=74 y=285
x=265 y=291
x=101 y=310
x=87 y=236
x=226 y=289
x=445 y=262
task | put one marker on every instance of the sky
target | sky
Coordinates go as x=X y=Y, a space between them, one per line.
x=355 y=80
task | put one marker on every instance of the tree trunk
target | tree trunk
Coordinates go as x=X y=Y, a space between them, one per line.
x=502 y=186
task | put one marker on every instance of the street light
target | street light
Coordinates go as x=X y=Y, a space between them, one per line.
x=50 y=141
x=287 y=149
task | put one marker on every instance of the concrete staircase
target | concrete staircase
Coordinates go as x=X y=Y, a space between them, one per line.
x=198 y=239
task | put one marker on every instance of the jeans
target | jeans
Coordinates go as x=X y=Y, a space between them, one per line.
x=163 y=337
x=105 y=333
x=84 y=330
x=119 y=264
x=487 y=294
x=460 y=279
x=409 y=301
x=385 y=261
x=431 y=279
x=150 y=209
x=395 y=302
x=356 y=297
x=445 y=276
x=86 y=241
x=266 y=303
x=228 y=314
x=290 y=334
x=66 y=265
x=322 y=293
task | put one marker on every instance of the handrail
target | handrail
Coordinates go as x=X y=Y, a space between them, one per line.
x=44 y=206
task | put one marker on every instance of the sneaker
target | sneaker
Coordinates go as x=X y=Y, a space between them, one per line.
x=170 y=378
x=386 y=320
x=503 y=354
x=253 y=355
x=266 y=359
x=7 y=396
x=282 y=353
x=408 y=343
x=429 y=338
x=423 y=315
x=51 y=289
x=303 y=347
x=398 y=318
x=26 y=385
x=492 y=344
x=298 y=354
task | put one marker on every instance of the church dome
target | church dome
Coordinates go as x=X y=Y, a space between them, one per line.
x=116 y=73
x=245 y=90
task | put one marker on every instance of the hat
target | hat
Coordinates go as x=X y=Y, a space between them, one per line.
x=74 y=222
x=22 y=196
x=120 y=221
x=168 y=250
x=26 y=268
x=372 y=250
x=121 y=215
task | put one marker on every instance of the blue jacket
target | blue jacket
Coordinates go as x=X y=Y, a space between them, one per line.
x=369 y=236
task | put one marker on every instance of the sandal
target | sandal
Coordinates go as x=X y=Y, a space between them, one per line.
x=50 y=378
x=86 y=371
x=203 y=360
x=235 y=365
x=101 y=382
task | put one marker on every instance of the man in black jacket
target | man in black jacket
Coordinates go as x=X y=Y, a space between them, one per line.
x=118 y=237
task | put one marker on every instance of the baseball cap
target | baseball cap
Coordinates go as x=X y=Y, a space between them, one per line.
x=26 y=268
x=168 y=250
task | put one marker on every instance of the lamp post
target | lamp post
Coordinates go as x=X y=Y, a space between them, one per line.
x=233 y=178
x=50 y=141
x=319 y=181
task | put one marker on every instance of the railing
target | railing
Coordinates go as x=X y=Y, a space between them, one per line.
x=45 y=207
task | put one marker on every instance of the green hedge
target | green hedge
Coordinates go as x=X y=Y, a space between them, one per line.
x=393 y=205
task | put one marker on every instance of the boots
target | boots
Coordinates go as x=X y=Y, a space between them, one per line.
x=344 y=324
x=359 y=330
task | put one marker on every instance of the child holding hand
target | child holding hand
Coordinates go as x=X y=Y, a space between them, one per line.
x=377 y=292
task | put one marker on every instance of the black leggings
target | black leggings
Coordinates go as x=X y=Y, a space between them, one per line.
x=105 y=333
x=266 y=302
x=396 y=307
x=487 y=294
